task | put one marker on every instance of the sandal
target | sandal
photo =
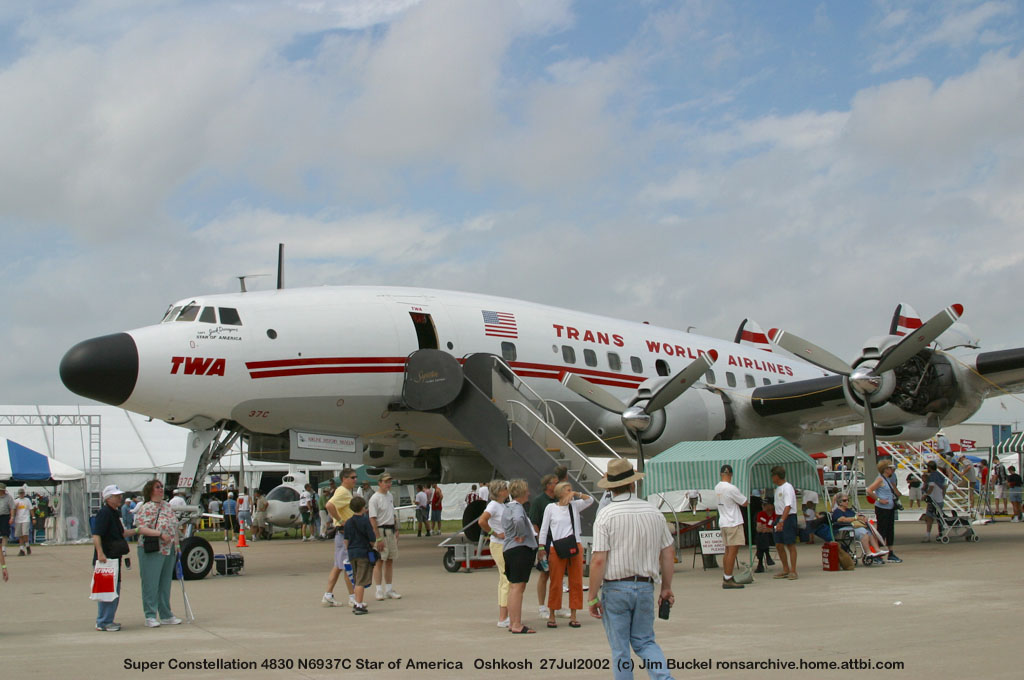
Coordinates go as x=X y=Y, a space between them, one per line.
x=574 y=624
x=522 y=631
x=552 y=624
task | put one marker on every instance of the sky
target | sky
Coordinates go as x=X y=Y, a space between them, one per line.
x=690 y=163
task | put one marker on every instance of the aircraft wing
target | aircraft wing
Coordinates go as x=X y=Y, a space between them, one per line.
x=814 y=405
x=998 y=372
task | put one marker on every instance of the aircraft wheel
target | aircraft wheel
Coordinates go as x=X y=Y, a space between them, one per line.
x=196 y=558
x=943 y=539
x=975 y=538
x=450 y=563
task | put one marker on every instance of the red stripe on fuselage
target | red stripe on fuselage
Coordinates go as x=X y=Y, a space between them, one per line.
x=325 y=370
x=320 y=361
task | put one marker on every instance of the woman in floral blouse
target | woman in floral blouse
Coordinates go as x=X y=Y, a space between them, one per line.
x=156 y=518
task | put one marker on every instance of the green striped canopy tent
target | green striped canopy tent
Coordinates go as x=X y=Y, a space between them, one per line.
x=696 y=465
x=1012 y=444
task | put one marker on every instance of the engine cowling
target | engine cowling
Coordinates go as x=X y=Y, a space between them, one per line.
x=697 y=415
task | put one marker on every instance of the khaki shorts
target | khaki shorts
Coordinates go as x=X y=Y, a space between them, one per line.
x=734 y=535
x=22 y=529
x=389 y=550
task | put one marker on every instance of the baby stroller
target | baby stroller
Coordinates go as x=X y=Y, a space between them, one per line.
x=846 y=537
x=951 y=525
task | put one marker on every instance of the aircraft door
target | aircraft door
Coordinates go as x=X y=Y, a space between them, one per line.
x=426 y=332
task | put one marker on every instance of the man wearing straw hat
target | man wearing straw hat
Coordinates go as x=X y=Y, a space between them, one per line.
x=632 y=547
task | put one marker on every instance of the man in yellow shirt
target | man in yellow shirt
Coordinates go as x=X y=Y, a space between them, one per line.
x=338 y=508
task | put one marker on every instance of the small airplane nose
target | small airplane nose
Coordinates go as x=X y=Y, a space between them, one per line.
x=104 y=368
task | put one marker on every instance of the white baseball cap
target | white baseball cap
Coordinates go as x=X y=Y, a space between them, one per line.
x=111 y=490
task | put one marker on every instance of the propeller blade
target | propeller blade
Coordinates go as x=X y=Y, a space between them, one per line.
x=916 y=341
x=593 y=393
x=681 y=381
x=808 y=351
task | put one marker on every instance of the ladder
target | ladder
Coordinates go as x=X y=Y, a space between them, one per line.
x=912 y=457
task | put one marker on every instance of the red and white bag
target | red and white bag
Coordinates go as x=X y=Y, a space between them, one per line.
x=104 y=581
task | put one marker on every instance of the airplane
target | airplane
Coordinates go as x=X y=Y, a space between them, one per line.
x=283 y=503
x=328 y=363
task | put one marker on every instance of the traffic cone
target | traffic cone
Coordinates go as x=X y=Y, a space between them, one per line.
x=241 y=540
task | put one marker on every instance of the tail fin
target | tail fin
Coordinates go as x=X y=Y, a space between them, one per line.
x=904 y=320
x=751 y=334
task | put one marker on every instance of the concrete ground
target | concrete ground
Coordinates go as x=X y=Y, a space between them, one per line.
x=949 y=611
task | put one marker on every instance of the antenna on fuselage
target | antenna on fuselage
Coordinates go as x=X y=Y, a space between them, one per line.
x=241 y=280
x=280 y=266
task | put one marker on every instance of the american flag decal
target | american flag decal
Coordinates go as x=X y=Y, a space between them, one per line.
x=500 y=324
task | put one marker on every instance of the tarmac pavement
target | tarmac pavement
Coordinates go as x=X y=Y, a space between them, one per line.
x=949 y=611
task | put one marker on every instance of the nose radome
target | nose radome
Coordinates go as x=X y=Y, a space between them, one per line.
x=105 y=368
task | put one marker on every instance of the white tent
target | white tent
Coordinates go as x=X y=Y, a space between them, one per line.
x=21 y=464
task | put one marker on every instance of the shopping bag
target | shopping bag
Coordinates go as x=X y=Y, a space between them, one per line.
x=104 y=581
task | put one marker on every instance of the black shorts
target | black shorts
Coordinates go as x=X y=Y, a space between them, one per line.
x=231 y=521
x=5 y=525
x=519 y=563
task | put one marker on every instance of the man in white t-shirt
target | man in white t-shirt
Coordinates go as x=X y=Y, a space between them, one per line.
x=484 y=492
x=422 y=511
x=385 y=527
x=731 y=502
x=786 y=525
x=306 y=510
x=23 y=522
x=693 y=499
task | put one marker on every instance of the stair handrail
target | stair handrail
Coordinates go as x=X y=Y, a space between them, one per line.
x=955 y=497
x=558 y=435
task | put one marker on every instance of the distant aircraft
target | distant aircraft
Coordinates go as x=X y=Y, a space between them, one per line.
x=283 y=503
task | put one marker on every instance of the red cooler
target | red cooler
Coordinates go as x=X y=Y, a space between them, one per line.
x=830 y=556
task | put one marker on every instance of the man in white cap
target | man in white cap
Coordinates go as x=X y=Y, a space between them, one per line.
x=385 y=527
x=23 y=522
x=632 y=546
x=108 y=536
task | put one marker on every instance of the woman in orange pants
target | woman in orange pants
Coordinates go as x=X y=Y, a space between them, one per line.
x=561 y=521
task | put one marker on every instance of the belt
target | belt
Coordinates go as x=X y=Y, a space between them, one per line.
x=386 y=526
x=639 y=579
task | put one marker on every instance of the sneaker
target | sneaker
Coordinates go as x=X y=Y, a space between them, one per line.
x=730 y=584
x=152 y=623
x=544 y=611
x=1014 y=519
x=563 y=613
x=170 y=621
x=109 y=627
x=379 y=595
x=503 y=623
x=329 y=601
x=21 y=553
x=28 y=549
x=352 y=601
x=394 y=595
x=894 y=560
x=360 y=609
x=769 y=561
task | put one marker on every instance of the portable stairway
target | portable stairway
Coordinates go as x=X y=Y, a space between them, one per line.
x=911 y=457
x=516 y=430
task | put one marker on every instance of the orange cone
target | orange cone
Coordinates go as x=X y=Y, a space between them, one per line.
x=241 y=540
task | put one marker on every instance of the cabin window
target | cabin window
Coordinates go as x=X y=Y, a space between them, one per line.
x=730 y=378
x=188 y=313
x=614 y=362
x=229 y=316
x=636 y=364
x=709 y=377
x=508 y=351
x=285 y=494
x=766 y=381
x=750 y=380
x=590 y=357
x=568 y=354
x=662 y=367
x=209 y=315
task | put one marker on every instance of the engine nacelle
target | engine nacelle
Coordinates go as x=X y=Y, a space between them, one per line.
x=697 y=415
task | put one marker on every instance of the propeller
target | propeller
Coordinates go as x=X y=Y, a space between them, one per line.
x=637 y=418
x=866 y=380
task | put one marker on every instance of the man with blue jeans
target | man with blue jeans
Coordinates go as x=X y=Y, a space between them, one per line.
x=632 y=547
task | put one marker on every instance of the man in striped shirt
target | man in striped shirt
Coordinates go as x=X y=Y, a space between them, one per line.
x=632 y=547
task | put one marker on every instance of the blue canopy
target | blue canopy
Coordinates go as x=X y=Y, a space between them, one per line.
x=25 y=465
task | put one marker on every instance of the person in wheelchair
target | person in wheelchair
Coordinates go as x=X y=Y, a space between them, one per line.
x=844 y=520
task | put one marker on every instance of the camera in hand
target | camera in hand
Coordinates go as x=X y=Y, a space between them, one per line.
x=664 y=609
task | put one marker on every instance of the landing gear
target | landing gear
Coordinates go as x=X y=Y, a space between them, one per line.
x=196 y=558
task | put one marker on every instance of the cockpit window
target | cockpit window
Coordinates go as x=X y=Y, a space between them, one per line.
x=188 y=313
x=229 y=316
x=283 y=493
x=209 y=315
x=172 y=312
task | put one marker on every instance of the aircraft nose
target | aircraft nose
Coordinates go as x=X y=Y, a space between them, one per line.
x=104 y=368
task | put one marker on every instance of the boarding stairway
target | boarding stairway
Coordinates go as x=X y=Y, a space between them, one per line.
x=913 y=458
x=516 y=430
